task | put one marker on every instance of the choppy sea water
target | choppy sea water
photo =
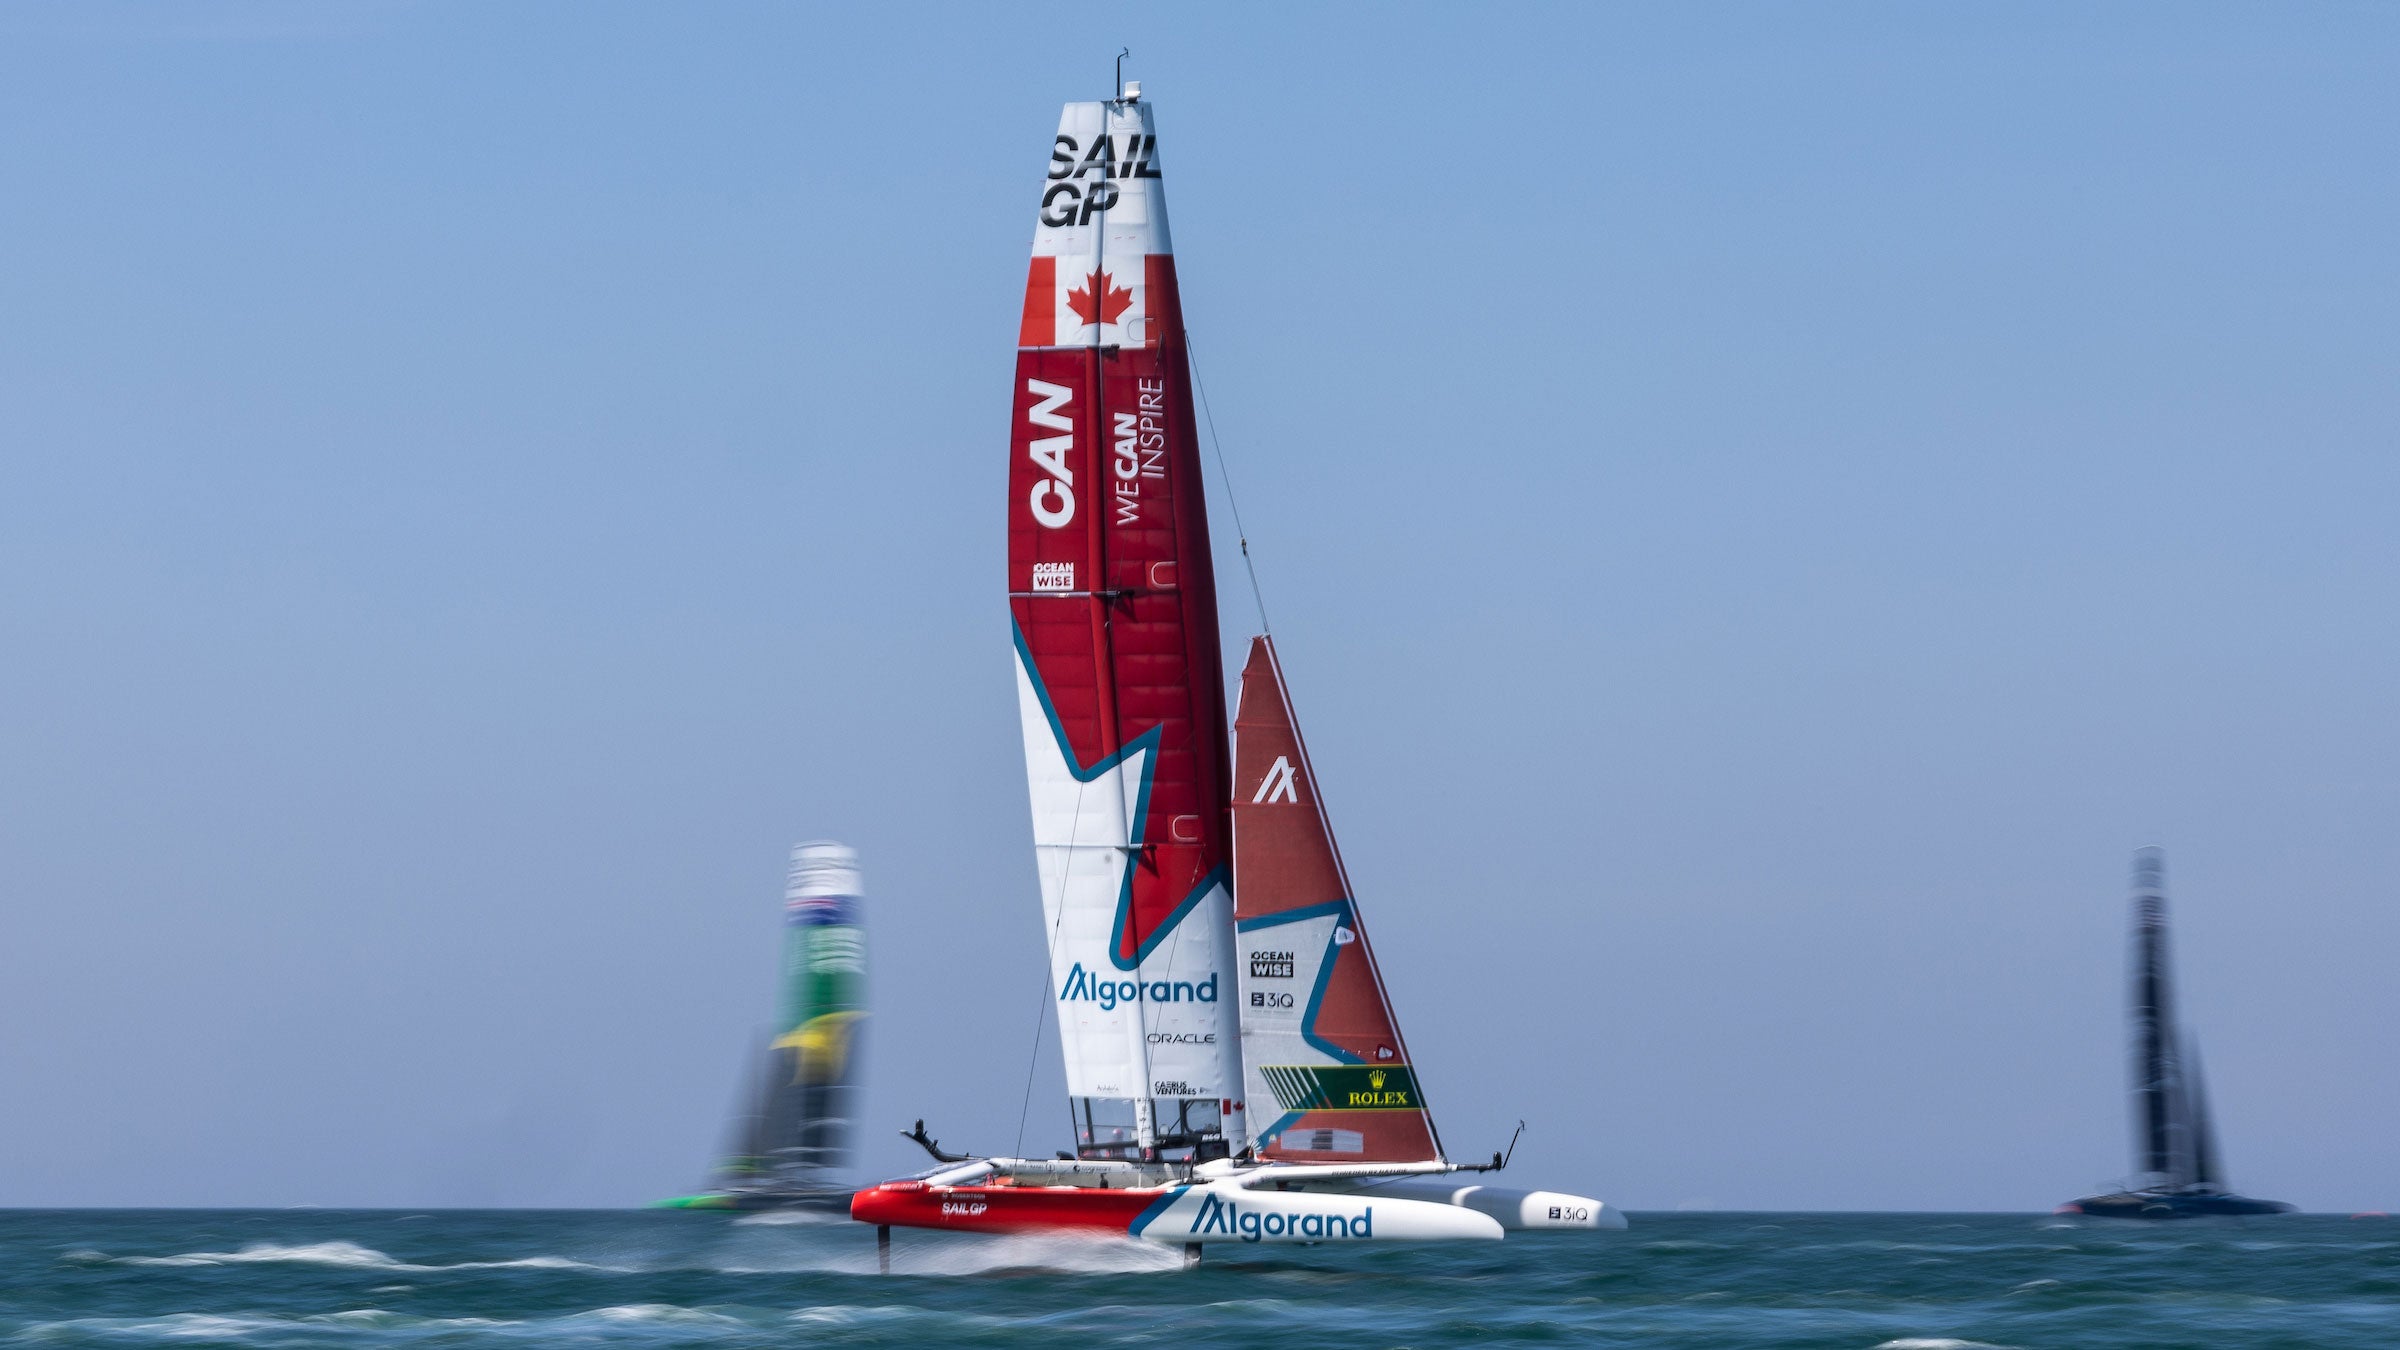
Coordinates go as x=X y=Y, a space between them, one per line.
x=1723 y=1281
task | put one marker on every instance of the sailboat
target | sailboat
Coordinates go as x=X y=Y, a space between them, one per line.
x=2178 y=1174
x=1234 y=1069
x=792 y=1137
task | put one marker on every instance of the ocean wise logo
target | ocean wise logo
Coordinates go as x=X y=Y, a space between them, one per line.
x=1082 y=987
x=1250 y=1224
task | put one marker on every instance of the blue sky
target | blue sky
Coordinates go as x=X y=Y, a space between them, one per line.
x=1763 y=509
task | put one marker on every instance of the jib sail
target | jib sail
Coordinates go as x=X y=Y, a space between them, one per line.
x=1118 y=678
x=1329 y=1077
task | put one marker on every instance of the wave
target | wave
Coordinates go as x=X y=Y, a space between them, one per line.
x=382 y=1326
x=258 y=1327
x=954 y=1254
x=339 y=1254
x=793 y=1218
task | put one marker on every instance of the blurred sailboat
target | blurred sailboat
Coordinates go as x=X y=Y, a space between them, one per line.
x=2178 y=1174
x=792 y=1136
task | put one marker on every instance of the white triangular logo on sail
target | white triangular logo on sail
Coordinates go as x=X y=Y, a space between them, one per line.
x=1280 y=785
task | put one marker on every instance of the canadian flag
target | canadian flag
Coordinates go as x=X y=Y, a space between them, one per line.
x=1079 y=301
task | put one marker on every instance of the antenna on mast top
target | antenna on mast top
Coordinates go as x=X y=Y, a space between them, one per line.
x=1123 y=92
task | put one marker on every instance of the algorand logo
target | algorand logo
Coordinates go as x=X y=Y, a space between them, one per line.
x=1252 y=1225
x=1083 y=987
x=1053 y=499
x=1280 y=784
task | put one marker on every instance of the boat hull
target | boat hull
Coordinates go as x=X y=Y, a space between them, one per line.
x=816 y=1202
x=1173 y=1215
x=1514 y=1208
x=2168 y=1205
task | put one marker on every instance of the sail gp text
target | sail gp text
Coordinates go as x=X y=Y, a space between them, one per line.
x=1079 y=179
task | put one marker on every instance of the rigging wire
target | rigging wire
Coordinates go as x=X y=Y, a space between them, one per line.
x=1225 y=476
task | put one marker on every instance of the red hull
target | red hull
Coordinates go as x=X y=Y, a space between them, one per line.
x=1004 y=1209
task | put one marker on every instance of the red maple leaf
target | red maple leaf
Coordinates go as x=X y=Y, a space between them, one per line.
x=1112 y=300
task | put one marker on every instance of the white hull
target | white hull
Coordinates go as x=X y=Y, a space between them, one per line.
x=1515 y=1209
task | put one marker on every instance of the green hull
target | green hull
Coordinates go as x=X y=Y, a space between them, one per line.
x=829 y=1202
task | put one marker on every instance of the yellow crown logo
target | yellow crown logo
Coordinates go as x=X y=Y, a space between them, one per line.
x=1375 y=1080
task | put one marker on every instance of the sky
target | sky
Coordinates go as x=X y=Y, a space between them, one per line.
x=1763 y=509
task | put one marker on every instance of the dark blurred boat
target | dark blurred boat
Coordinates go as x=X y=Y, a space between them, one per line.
x=2178 y=1172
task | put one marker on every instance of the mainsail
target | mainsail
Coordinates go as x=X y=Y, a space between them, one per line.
x=1118 y=679
x=2162 y=1144
x=1318 y=1035
x=2175 y=1145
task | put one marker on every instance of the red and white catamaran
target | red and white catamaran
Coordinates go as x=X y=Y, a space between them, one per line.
x=1234 y=1070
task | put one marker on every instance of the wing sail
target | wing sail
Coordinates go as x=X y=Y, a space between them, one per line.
x=2161 y=1144
x=1119 y=683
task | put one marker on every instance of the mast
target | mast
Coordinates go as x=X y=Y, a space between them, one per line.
x=1120 y=691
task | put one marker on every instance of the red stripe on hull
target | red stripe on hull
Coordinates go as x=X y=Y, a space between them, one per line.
x=1004 y=1209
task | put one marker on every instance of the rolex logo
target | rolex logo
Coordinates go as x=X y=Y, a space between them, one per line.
x=1375 y=1080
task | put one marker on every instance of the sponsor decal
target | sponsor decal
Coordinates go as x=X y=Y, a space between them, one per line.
x=1570 y=1214
x=1270 y=965
x=1183 y=1038
x=1140 y=450
x=1054 y=576
x=1053 y=498
x=1280 y=785
x=837 y=951
x=1251 y=1224
x=1267 y=998
x=1343 y=1087
x=1174 y=1087
x=1083 y=181
x=820 y=1046
x=964 y=1208
x=1084 y=987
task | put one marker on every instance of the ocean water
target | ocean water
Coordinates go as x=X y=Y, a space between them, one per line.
x=292 y=1278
